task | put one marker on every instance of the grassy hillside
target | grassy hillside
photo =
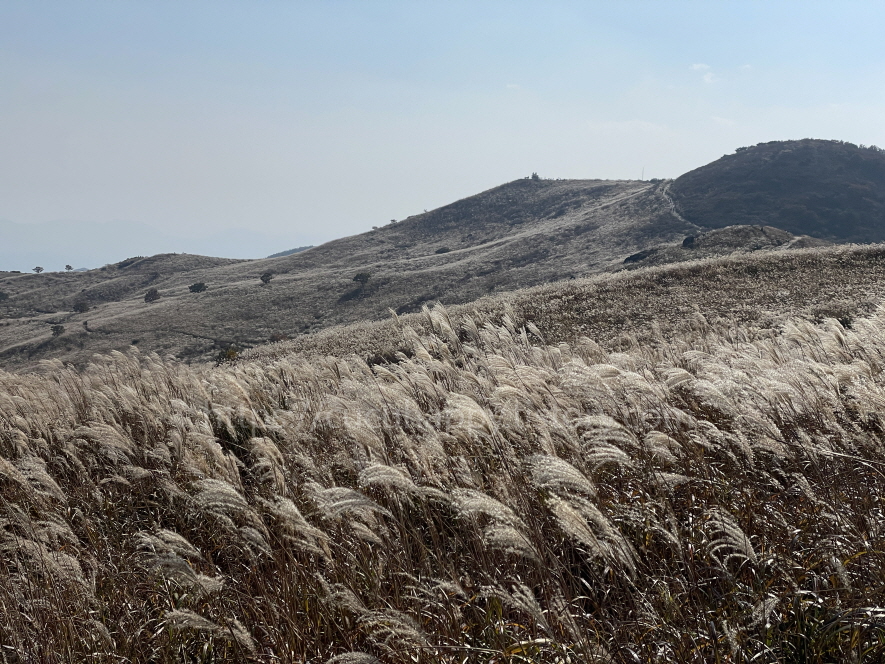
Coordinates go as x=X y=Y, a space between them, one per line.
x=630 y=308
x=720 y=242
x=493 y=495
x=521 y=234
x=827 y=189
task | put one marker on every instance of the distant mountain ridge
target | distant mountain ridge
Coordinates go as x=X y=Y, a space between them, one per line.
x=520 y=234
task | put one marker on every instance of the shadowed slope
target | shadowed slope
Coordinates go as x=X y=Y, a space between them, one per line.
x=721 y=242
x=827 y=189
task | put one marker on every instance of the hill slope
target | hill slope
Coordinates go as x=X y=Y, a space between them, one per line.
x=720 y=242
x=520 y=234
x=674 y=303
x=827 y=189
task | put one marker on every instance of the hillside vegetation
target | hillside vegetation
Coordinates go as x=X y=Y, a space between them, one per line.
x=827 y=189
x=645 y=306
x=490 y=495
x=525 y=233
x=722 y=241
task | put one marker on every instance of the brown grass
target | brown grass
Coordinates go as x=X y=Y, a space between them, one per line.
x=488 y=496
x=646 y=306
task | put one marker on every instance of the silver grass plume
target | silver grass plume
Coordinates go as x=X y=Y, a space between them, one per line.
x=596 y=429
x=187 y=620
x=111 y=442
x=520 y=598
x=550 y=473
x=34 y=469
x=732 y=542
x=392 y=630
x=354 y=508
x=471 y=503
x=294 y=529
x=507 y=538
x=664 y=448
x=353 y=658
x=387 y=478
x=33 y=557
x=255 y=541
x=164 y=554
x=168 y=539
x=582 y=520
x=341 y=596
x=599 y=454
x=219 y=497
x=268 y=465
x=575 y=525
x=466 y=419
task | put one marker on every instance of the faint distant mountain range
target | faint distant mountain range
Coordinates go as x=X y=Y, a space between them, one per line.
x=83 y=244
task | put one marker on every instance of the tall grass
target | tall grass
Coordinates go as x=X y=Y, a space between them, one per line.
x=484 y=497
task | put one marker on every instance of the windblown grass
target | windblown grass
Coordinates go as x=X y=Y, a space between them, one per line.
x=652 y=304
x=485 y=497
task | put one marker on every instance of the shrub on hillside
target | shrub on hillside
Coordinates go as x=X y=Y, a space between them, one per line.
x=362 y=278
x=226 y=356
x=152 y=295
x=198 y=287
x=81 y=307
x=57 y=330
x=266 y=277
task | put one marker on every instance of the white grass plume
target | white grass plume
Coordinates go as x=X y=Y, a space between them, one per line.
x=550 y=473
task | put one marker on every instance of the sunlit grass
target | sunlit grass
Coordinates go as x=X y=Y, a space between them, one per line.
x=483 y=496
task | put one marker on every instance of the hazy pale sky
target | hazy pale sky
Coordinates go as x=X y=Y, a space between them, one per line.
x=314 y=120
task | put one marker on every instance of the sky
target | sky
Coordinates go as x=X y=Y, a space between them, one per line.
x=300 y=122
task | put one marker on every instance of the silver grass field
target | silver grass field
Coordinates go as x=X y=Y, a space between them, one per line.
x=484 y=497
